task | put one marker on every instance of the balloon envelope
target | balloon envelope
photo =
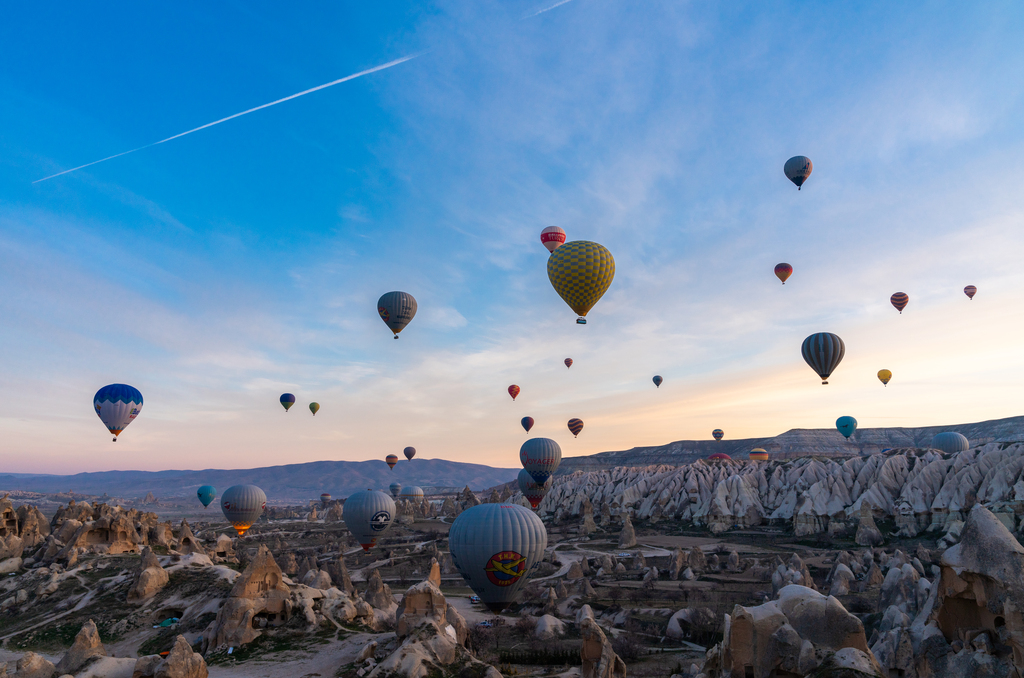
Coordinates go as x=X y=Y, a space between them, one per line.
x=287 y=400
x=314 y=408
x=325 y=497
x=899 y=301
x=951 y=442
x=797 y=169
x=395 y=489
x=568 y=363
x=494 y=547
x=527 y=423
x=533 y=492
x=657 y=380
x=551 y=237
x=758 y=454
x=397 y=310
x=409 y=452
x=720 y=456
x=823 y=352
x=718 y=434
x=581 y=272
x=117 y=405
x=368 y=515
x=513 y=391
x=884 y=376
x=783 y=271
x=575 y=425
x=391 y=460
x=412 y=492
x=970 y=291
x=206 y=494
x=541 y=457
x=846 y=425
x=242 y=506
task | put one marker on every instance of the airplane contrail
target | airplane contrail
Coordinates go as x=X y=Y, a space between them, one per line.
x=547 y=9
x=251 y=110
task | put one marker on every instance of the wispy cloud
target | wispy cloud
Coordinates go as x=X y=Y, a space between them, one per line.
x=547 y=9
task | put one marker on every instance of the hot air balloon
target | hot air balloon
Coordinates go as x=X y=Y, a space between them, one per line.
x=719 y=456
x=541 y=457
x=581 y=272
x=412 y=493
x=116 y=406
x=970 y=291
x=551 y=237
x=783 y=271
x=718 y=434
x=951 y=442
x=513 y=391
x=823 y=352
x=758 y=454
x=899 y=301
x=568 y=363
x=325 y=498
x=846 y=425
x=797 y=169
x=884 y=376
x=397 y=309
x=575 y=425
x=287 y=400
x=533 y=492
x=391 y=460
x=396 y=489
x=657 y=380
x=527 y=423
x=206 y=494
x=409 y=453
x=368 y=515
x=242 y=506
x=494 y=547
x=314 y=408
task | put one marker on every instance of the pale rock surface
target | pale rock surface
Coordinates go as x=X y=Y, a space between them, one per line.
x=377 y=593
x=32 y=665
x=868 y=533
x=598 y=657
x=148 y=579
x=549 y=626
x=87 y=644
x=627 y=537
x=259 y=589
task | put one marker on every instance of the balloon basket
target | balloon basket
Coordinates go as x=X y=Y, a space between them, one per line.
x=581 y=321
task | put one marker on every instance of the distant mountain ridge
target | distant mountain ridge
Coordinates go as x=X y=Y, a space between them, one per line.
x=799 y=442
x=289 y=482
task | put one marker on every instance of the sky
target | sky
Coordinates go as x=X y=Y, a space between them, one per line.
x=222 y=268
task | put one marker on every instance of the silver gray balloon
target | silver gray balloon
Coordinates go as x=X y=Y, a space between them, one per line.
x=494 y=547
x=950 y=442
x=412 y=492
x=368 y=515
x=797 y=169
x=533 y=492
x=396 y=489
x=242 y=506
x=397 y=310
x=541 y=457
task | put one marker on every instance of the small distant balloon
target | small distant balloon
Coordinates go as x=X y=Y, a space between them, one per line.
x=325 y=497
x=884 y=376
x=513 y=391
x=823 y=351
x=718 y=434
x=314 y=408
x=970 y=291
x=797 y=169
x=409 y=453
x=551 y=237
x=657 y=380
x=719 y=456
x=206 y=494
x=396 y=309
x=568 y=363
x=287 y=400
x=527 y=423
x=899 y=301
x=391 y=460
x=117 y=405
x=396 y=489
x=846 y=425
x=758 y=454
x=575 y=425
x=783 y=271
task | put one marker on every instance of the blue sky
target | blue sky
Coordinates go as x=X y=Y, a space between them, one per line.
x=222 y=268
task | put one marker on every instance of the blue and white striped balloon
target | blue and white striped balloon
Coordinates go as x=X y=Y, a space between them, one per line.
x=117 y=405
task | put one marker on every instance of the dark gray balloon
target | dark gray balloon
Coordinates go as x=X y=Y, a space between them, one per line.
x=797 y=169
x=494 y=547
x=823 y=352
x=950 y=442
x=541 y=457
x=396 y=489
x=242 y=506
x=368 y=515
x=397 y=310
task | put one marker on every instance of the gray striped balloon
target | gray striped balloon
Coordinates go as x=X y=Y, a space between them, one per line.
x=494 y=547
x=396 y=489
x=397 y=310
x=368 y=515
x=823 y=352
x=242 y=506
x=541 y=457
x=951 y=442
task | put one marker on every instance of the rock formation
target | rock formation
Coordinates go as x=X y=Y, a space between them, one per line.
x=87 y=645
x=259 y=590
x=598 y=657
x=148 y=579
x=868 y=533
x=377 y=593
x=627 y=538
x=180 y=662
x=32 y=665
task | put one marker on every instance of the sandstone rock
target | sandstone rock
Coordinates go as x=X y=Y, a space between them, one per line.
x=182 y=662
x=868 y=533
x=575 y=571
x=422 y=603
x=377 y=593
x=683 y=623
x=599 y=660
x=368 y=652
x=317 y=579
x=187 y=543
x=87 y=644
x=457 y=622
x=434 y=576
x=259 y=590
x=145 y=667
x=148 y=579
x=549 y=627
x=627 y=537
x=224 y=547
x=32 y=665
x=32 y=526
x=677 y=563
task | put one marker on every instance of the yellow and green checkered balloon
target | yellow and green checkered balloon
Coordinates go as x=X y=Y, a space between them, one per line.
x=581 y=272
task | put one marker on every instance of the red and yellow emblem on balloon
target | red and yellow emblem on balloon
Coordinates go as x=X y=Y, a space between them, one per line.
x=505 y=568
